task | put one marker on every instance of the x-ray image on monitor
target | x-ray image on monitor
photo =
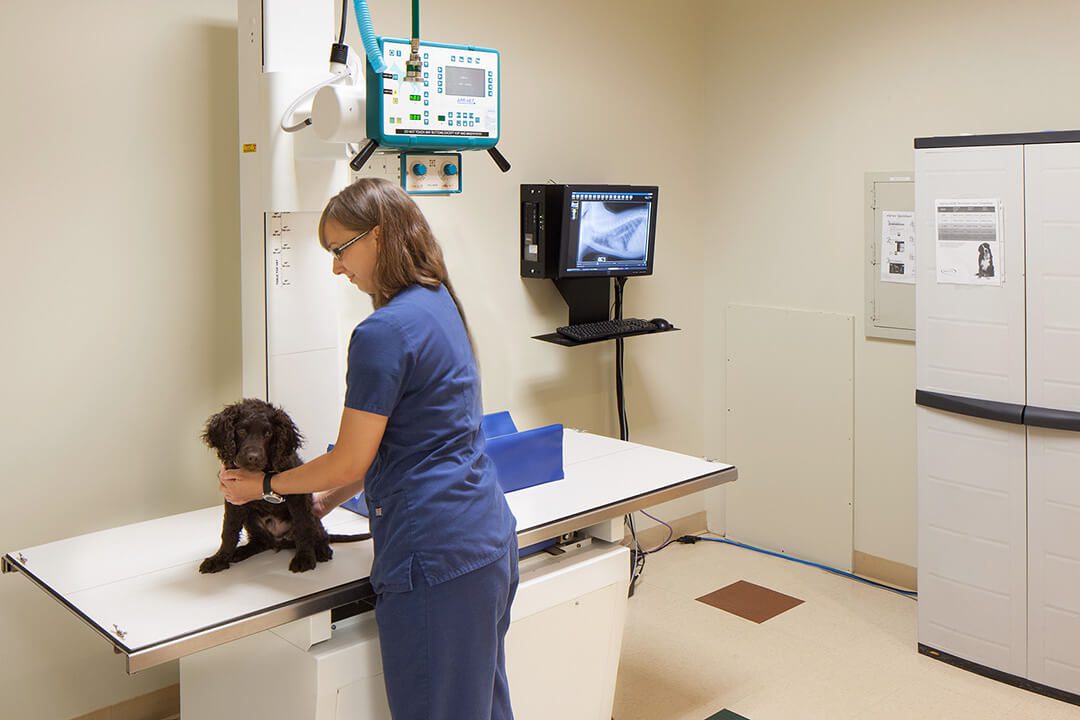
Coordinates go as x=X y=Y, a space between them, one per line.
x=613 y=232
x=610 y=232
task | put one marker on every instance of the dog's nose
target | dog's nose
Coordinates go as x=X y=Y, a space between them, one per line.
x=253 y=458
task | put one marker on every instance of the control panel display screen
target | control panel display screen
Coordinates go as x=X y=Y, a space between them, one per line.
x=464 y=81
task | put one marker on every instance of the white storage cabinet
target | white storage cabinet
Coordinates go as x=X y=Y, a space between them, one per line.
x=998 y=389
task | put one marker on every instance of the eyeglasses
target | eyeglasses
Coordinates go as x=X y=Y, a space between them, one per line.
x=340 y=249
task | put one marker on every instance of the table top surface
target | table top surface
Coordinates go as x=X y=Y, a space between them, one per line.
x=139 y=584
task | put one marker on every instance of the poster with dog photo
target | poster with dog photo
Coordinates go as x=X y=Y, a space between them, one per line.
x=969 y=242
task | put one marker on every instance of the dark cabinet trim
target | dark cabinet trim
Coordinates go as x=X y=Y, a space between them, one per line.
x=971 y=407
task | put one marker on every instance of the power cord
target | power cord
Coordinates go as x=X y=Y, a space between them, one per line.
x=670 y=534
x=339 y=67
x=637 y=553
x=691 y=539
x=624 y=427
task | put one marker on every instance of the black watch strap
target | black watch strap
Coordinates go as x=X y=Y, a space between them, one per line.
x=267 y=477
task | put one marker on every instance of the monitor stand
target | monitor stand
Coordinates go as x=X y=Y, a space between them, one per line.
x=588 y=298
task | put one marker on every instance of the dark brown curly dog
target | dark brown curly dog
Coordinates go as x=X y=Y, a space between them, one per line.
x=255 y=435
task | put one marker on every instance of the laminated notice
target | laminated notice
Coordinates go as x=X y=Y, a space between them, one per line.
x=969 y=242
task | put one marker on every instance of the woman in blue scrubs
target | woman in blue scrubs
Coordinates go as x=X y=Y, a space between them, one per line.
x=446 y=562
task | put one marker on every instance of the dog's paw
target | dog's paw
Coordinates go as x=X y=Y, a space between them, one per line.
x=323 y=553
x=303 y=561
x=213 y=564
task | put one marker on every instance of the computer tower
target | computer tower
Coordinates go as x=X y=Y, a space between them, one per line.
x=541 y=231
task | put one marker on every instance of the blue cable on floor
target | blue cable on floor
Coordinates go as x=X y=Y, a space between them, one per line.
x=690 y=539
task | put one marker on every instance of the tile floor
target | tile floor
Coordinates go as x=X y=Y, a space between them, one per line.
x=846 y=653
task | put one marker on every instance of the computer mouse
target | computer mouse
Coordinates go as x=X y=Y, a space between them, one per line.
x=661 y=323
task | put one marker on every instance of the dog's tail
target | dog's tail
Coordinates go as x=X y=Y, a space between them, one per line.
x=348 y=538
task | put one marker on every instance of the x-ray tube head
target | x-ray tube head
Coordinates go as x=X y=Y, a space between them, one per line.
x=338 y=114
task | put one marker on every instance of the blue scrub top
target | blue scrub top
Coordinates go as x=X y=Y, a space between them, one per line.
x=432 y=493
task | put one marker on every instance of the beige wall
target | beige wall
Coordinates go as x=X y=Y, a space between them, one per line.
x=803 y=99
x=121 y=252
x=120 y=322
x=121 y=249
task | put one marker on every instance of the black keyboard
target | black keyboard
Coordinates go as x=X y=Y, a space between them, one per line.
x=605 y=329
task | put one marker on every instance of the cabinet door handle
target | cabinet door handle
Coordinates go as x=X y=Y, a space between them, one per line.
x=972 y=407
x=1053 y=419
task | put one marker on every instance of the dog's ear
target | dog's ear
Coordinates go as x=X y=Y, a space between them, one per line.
x=219 y=434
x=286 y=440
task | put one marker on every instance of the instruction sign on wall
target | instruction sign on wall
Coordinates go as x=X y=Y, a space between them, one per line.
x=898 y=246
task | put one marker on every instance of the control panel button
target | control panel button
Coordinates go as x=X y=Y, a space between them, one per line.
x=450 y=169
x=419 y=169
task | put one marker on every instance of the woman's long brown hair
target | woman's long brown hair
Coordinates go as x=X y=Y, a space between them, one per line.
x=408 y=252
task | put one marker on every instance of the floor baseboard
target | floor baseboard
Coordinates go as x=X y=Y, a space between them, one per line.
x=886 y=571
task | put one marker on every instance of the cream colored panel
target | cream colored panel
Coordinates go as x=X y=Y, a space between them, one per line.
x=305 y=345
x=1053 y=265
x=970 y=338
x=1054 y=558
x=789 y=430
x=972 y=547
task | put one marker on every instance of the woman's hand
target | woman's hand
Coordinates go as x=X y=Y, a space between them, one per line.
x=240 y=486
x=322 y=503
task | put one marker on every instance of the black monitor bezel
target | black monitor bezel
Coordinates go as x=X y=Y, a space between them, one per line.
x=564 y=241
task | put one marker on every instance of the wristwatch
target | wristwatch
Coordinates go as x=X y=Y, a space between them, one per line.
x=268 y=492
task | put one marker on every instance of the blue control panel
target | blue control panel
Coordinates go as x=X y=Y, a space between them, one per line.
x=454 y=107
x=431 y=173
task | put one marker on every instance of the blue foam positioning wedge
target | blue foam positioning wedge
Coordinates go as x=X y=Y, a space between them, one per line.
x=527 y=458
x=496 y=424
x=522 y=458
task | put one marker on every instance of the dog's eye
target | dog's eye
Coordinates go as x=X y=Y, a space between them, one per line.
x=267 y=433
x=241 y=432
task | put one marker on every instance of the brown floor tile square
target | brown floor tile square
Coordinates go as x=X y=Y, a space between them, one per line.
x=750 y=601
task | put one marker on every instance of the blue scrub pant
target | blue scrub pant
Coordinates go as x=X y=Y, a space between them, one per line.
x=443 y=645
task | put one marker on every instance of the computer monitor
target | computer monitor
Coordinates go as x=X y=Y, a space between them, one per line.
x=607 y=231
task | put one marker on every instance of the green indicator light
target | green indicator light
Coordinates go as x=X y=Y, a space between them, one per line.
x=414 y=117
x=441 y=118
x=414 y=98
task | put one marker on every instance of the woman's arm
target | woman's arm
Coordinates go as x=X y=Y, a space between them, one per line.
x=326 y=501
x=344 y=466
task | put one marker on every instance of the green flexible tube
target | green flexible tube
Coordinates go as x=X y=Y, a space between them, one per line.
x=416 y=19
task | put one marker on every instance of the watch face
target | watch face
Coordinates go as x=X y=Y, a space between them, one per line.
x=273 y=498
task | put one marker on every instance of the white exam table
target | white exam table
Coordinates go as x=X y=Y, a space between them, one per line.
x=138 y=585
